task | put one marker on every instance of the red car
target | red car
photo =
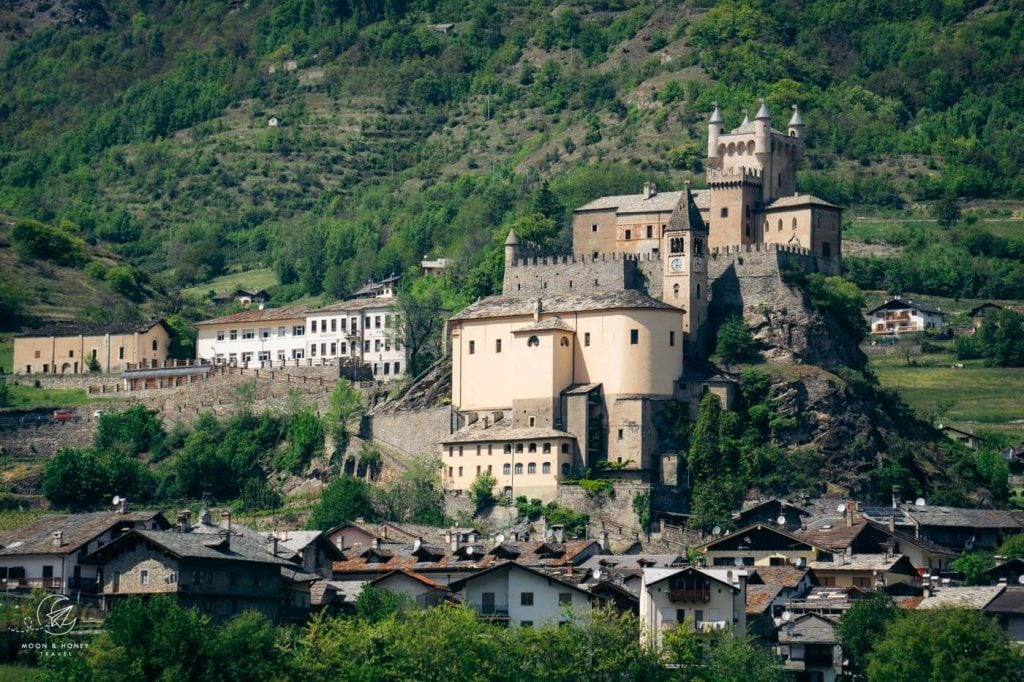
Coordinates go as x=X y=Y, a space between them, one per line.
x=63 y=416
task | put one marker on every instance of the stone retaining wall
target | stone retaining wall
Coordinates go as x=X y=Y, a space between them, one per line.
x=413 y=432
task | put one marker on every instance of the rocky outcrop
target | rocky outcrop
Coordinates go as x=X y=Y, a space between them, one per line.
x=792 y=331
x=433 y=388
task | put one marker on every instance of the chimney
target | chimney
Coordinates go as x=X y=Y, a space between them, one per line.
x=536 y=311
x=605 y=544
x=225 y=521
x=514 y=536
x=650 y=189
x=58 y=538
x=185 y=521
x=895 y=497
x=376 y=544
x=559 y=533
x=892 y=522
x=272 y=544
x=204 y=516
x=472 y=538
x=453 y=538
x=122 y=505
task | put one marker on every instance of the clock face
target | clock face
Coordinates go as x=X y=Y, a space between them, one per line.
x=676 y=264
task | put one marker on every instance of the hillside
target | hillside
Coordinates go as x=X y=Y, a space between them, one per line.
x=399 y=139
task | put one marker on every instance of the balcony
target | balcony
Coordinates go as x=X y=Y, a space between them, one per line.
x=32 y=584
x=702 y=596
x=491 y=611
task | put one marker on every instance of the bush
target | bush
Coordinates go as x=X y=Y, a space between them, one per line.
x=344 y=500
x=32 y=239
x=734 y=342
x=481 y=491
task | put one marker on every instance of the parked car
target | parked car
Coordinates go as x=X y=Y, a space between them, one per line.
x=63 y=416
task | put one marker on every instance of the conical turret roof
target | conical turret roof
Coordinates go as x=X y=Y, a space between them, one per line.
x=763 y=111
x=716 y=116
x=511 y=239
x=797 y=119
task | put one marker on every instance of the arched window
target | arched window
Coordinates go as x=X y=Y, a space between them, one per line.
x=155 y=344
x=780 y=224
x=547 y=448
x=698 y=247
x=675 y=290
x=533 y=447
x=565 y=468
x=531 y=468
x=519 y=469
x=794 y=223
x=698 y=292
x=545 y=468
x=676 y=245
x=533 y=341
x=564 y=341
x=508 y=448
x=519 y=448
x=506 y=469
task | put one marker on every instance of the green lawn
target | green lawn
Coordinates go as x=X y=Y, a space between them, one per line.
x=17 y=673
x=881 y=229
x=26 y=396
x=260 y=278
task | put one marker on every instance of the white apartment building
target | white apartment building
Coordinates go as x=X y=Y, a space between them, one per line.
x=362 y=331
x=253 y=336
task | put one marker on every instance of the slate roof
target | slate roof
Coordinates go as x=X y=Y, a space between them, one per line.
x=354 y=306
x=36 y=537
x=973 y=312
x=783 y=576
x=1010 y=600
x=686 y=215
x=860 y=562
x=554 y=323
x=533 y=553
x=257 y=315
x=60 y=329
x=964 y=518
x=810 y=628
x=901 y=304
x=800 y=200
x=412 y=575
x=503 y=430
x=760 y=596
x=799 y=537
x=457 y=585
x=513 y=306
x=967 y=597
x=833 y=534
x=632 y=561
x=206 y=546
x=723 y=575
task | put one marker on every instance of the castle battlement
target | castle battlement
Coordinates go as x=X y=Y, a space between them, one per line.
x=580 y=258
x=759 y=247
x=731 y=176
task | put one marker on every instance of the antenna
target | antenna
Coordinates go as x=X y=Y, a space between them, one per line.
x=799 y=561
x=781 y=520
x=919 y=502
x=841 y=509
x=717 y=530
x=469 y=550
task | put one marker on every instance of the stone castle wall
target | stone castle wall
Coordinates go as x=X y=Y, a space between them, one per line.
x=413 y=432
x=575 y=274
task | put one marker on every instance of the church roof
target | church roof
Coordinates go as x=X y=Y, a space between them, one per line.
x=662 y=202
x=553 y=324
x=479 y=432
x=512 y=306
x=686 y=215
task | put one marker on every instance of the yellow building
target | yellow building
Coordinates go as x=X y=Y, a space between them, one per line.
x=69 y=348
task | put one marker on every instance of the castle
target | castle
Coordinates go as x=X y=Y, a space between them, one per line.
x=570 y=366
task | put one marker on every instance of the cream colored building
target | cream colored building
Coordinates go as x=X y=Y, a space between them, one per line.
x=362 y=332
x=253 y=336
x=69 y=348
x=701 y=598
x=751 y=199
x=561 y=381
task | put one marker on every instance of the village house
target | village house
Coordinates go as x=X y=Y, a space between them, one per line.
x=761 y=545
x=898 y=316
x=971 y=440
x=963 y=529
x=809 y=648
x=866 y=571
x=48 y=552
x=420 y=590
x=701 y=598
x=769 y=512
x=434 y=266
x=979 y=313
x=385 y=288
x=264 y=335
x=244 y=297
x=523 y=595
x=62 y=348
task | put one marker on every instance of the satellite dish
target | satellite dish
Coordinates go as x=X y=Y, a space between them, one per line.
x=117 y=500
x=738 y=561
x=416 y=544
x=919 y=502
x=781 y=520
x=799 y=561
x=499 y=538
x=717 y=530
x=841 y=509
x=470 y=550
x=787 y=616
x=1020 y=579
x=597 y=574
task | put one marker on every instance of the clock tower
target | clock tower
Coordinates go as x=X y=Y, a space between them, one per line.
x=685 y=269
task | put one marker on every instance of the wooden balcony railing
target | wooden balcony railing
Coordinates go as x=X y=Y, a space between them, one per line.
x=690 y=596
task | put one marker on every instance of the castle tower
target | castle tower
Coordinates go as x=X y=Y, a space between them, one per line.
x=763 y=151
x=796 y=124
x=714 y=130
x=685 y=272
x=511 y=249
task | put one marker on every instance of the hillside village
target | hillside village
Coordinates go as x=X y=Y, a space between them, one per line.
x=570 y=370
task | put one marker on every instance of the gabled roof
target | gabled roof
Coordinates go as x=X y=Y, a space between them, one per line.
x=956 y=517
x=686 y=215
x=196 y=546
x=810 y=628
x=552 y=324
x=947 y=427
x=63 y=329
x=782 y=576
x=965 y=597
x=1010 y=600
x=653 y=576
x=800 y=200
x=758 y=528
x=760 y=597
x=477 y=432
x=257 y=315
x=36 y=537
x=973 y=312
x=892 y=563
x=514 y=306
x=526 y=553
x=411 y=575
x=511 y=565
x=834 y=534
x=660 y=202
x=903 y=304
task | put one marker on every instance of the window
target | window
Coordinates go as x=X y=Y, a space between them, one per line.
x=586 y=338
x=246 y=357
x=634 y=336
x=526 y=599
x=387 y=368
x=862 y=582
x=143 y=577
x=334 y=324
x=565 y=448
x=506 y=469
x=533 y=446
x=298 y=330
x=508 y=449
x=472 y=347
x=526 y=623
x=344 y=348
x=564 y=342
x=497 y=346
x=725 y=213
x=531 y=468
x=376 y=345
x=312 y=327
x=533 y=341
x=650 y=231
x=565 y=468
x=547 y=448
x=387 y=344
x=344 y=324
x=397 y=368
x=220 y=335
x=334 y=348
x=794 y=223
x=780 y=224
x=48 y=571
x=545 y=468
x=533 y=422
x=671 y=338
x=451 y=472
x=298 y=354
x=629 y=234
x=248 y=334
x=460 y=471
x=280 y=355
x=620 y=434
x=280 y=331
x=233 y=335
x=675 y=290
x=265 y=333
x=565 y=597
x=519 y=469
x=698 y=292
x=698 y=247
x=120 y=350
x=593 y=228
x=826 y=249
x=519 y=448
x=376 y=321
x=366 y=346
x=312 y=351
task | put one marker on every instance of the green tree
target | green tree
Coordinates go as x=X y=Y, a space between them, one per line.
x=946 y=210
x=481 y=490
x=973 y=566
x=35 y=240
x=1012 y=547
x=417 y=324
x=416 y=495
x=305 y=442
x=734 y=342
x=863 y=625
x=345 y=499
x=183 y=339
x=374 y=605
x=74 y=479
x=703 y=456
x=5 y=392
x=344 y=404
x=134 y=430
x=950 y=644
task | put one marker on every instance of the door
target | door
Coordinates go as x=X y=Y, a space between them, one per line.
x=116 y=582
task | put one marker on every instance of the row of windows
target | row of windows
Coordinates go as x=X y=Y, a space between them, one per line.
x=628 y=234
x=507 y=448
x=378 y=346
x=634 y=335
x=506 y=469
x=264 y=332
x=376 y=322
